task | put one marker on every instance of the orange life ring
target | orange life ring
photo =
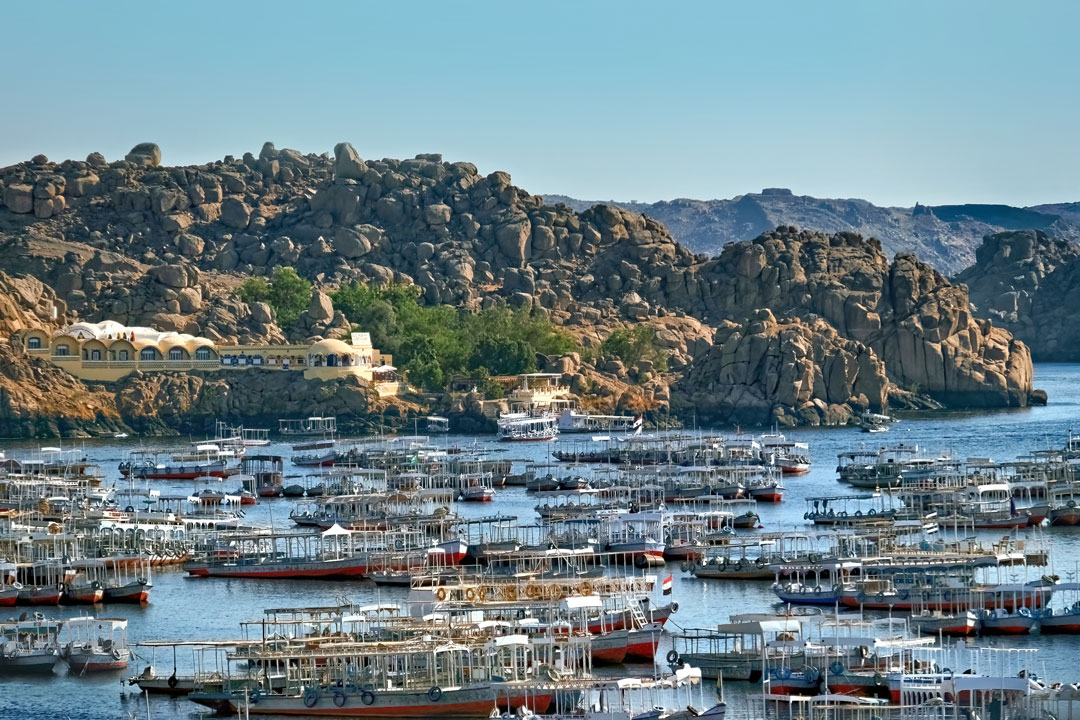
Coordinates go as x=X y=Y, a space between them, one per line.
x=440 y=594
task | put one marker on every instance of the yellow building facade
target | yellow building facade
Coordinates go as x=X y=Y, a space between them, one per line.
x=107 y=351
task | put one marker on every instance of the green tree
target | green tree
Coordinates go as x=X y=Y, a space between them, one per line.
x=634 y=344
x=286 y=292
x=502 y=355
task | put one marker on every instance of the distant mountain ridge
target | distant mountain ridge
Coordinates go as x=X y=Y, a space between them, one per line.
x=945 y=236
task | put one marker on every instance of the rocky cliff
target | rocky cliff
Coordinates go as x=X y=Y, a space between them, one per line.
x=1029 y=283
x=844 y=329
x=853 y=329
x=945 y=236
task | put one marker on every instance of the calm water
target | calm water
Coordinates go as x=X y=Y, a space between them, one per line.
x=183 y=608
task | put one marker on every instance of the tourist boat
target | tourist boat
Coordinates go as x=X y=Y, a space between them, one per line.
x=767 y=492
x=365 y=680
x=746 y=521
x=437 y=424
x=335 y=553
x=29 y=645
x=523 y=427
x=308 y=426
x=260 y=476
x=323 y=458
x=95 y=644
x=576 y=421
x=1065 y=507
x=83 y=593
x=872 y=422
x=785 y=681
x=1004 y=622
x=1060 y=621
x=739 y=649
x=150 y=470
x=961 y=624
x=793 y=458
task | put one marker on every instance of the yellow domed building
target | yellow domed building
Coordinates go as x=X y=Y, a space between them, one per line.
x=107 y=351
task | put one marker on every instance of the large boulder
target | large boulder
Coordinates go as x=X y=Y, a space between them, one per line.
x=144 y=155
x=347 y=163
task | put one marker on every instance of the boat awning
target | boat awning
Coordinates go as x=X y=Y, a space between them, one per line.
x=336 y=529
x=587 y=601
x=760 y=627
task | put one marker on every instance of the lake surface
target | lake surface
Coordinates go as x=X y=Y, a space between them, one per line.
x=183 y=608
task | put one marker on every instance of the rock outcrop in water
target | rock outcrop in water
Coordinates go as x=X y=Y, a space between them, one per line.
x=1029 y=283
x=869 y=328
x=792 y=327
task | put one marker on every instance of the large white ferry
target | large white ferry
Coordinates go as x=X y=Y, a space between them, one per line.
x=523 y=427
x=576 y=421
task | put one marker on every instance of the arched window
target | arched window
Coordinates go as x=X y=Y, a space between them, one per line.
x=62 y=350
x=123 y=354
x=95 y=354
x=148 y=354
x=34 y=343
x=177 y=354
x=202 y=353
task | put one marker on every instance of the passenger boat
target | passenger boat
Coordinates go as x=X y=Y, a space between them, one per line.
x=793 y=458
x=150 y=470
x=437 y=424
x=523 y=427
x=95 y=644
x=334 y=554
x=1004 y=622
x=29 y=645
x=576 y=421
x=308 y=426
x=260 y=476
x=872 y=422
x=961 y=624
x=1065 y=507
x=362 y=679
x=1060 y=621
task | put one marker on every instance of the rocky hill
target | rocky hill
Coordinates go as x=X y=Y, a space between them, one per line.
x=944 y=236
x=1029 y=283
x=792 y=327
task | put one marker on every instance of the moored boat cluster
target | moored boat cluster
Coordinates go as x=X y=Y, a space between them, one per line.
x=515 y=614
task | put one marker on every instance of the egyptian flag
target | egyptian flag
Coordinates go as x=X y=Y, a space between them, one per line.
x=667 y=585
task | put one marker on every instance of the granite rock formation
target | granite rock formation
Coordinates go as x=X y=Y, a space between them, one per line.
x=141 y=242
x=1029 y=284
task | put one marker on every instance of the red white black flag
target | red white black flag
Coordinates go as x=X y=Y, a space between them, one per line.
x=667 y=585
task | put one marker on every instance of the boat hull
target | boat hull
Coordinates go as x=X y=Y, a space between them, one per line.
x=466 y=702
x=40 y=596
x=130 y=593
x=81 y=662
x=36 y=662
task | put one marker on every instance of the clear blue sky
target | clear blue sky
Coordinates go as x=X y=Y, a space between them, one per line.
x=938 y=102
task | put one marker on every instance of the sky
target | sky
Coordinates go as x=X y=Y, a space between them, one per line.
x=937 y=102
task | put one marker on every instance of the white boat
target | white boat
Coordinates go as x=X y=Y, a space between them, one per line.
x=29 y=646
x=95 y=644
x=576 y=421
x=437 y=424
x=523 y=427
x=875 y=422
